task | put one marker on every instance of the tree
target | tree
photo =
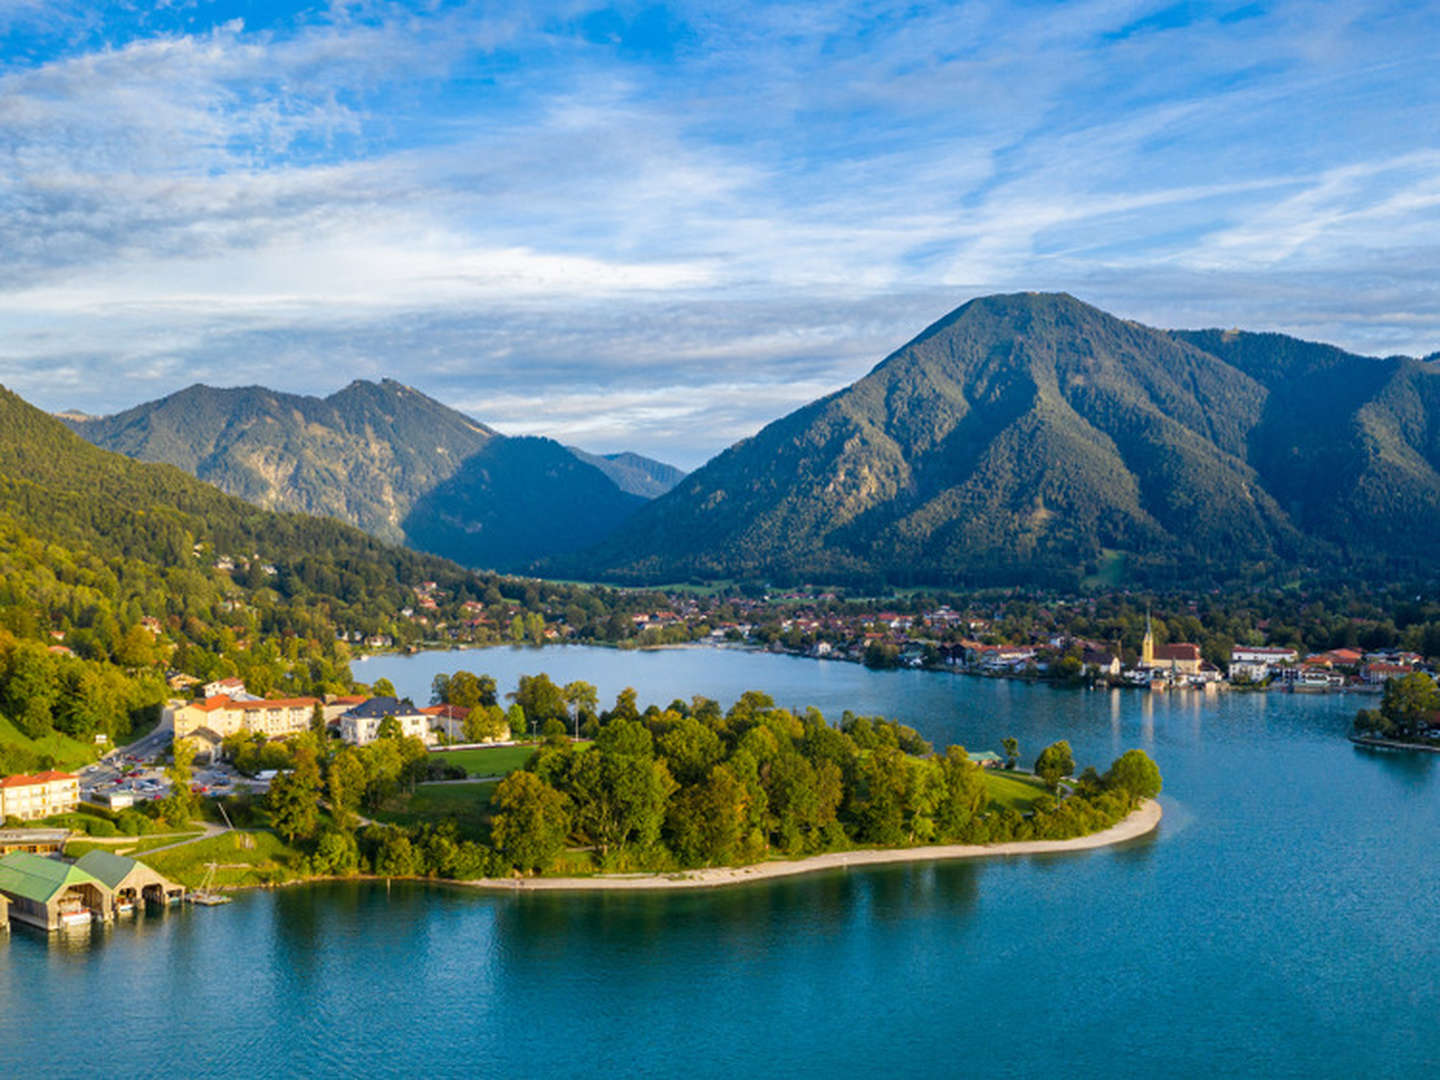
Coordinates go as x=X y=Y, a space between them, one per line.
x=620 y=789
x=179 y=806
x=581 y=697
x=346 y=785
x=1012 y=751
x=293 y=796
x=964 y=795
x=336 y=854
x=317 y=720
x=1134 y=773
x=531 y=822
x=486 y=722
x=470 y=691
x=1054 y=762
x=879 y=799
x=1410 y=702
x=389 y=728
x=382 y=687
x=541 y=699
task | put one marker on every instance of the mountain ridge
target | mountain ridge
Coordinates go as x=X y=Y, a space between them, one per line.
x=368 y=454
x=1031 y=436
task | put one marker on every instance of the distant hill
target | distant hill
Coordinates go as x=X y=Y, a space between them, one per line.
x=371 y=453
x=633 y=473
x=1033 y=437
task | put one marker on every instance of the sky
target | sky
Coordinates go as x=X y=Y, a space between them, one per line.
x=657 y=227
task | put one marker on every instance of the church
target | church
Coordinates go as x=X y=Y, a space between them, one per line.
x=1181 y=658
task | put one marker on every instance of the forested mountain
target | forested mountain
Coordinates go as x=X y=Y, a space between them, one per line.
x=370 y=453
x=1033 y=437
x=113 y=570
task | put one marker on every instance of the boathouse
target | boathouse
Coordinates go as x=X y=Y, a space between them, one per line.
x=48 y=894
x=130 y=881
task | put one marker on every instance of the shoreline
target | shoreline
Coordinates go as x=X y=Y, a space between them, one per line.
x=1141 y=821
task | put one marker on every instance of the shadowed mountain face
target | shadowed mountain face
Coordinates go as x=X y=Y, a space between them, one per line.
x=1033 y=437
x=373 y=454
x=633 y=473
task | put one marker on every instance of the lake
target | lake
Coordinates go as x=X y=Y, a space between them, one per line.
x=1284 y=921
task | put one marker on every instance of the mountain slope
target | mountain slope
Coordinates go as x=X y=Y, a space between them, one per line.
x=515 y=500
x=56 y=487
x=370 y=455
x=633 y=473
x=1026 y=437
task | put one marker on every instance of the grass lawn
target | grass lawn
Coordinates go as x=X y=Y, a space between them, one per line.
x=244 y=858
x=69 y=754
x=491 y=761
x=1013 y=791
x=468 y=805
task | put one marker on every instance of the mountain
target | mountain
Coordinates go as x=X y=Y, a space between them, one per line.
x=633 y=473
x=515 y=500
x=113 y=513
x=1034 y=437
x=372 y=453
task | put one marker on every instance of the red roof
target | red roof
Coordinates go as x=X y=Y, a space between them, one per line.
x=1181 y=650
x=23 y=780
x=450 y=712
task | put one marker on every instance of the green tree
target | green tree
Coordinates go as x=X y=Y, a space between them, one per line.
x=1011 y=746
x=1410 y=702
x=1134 y=773
x=531 y=822
x=1055 y=762
x=382 y=687
x=294 y=795
x=964 y=795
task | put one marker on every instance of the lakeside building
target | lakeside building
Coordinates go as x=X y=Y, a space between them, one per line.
x=30 y=797
x=1179 y=658
x=1257 y=663
x=275 y=718
x=361 y=725
x=130 y=881
x=49 y=894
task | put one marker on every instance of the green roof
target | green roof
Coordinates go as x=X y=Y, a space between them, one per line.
x=984 y=755
x=106 y=865
x=37 y=878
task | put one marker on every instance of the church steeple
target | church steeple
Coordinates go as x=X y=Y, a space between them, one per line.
x=1147 y=647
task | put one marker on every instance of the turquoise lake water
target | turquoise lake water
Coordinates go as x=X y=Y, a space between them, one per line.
x=1284 y=921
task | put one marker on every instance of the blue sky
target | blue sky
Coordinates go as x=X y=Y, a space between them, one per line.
x=658 y=226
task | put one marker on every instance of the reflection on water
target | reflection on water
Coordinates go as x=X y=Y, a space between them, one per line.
x=1289 y=880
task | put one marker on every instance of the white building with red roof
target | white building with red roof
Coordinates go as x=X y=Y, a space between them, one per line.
x=40 y=795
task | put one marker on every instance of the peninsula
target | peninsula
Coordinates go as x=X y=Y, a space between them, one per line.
x=1141 y=821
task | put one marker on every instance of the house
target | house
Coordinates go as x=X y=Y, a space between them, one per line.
x=130 y=881
x=275 y=718
x=49 y=894
x=233 y=688
x=39 y=796
x=1378 y=674
x=361 y=725
x=447 y=720
x=987 y=759
x=207 y=743
x=1103 y=660
x=1257 y=663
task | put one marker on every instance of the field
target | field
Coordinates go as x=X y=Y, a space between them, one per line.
x=468 y=805
x=69 y=754
x=1013 y=791
x=491 y=761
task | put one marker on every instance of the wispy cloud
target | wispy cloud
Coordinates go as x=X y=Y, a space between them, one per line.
x=661 y=227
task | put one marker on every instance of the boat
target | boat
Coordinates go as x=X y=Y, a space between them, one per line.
x=207 y=895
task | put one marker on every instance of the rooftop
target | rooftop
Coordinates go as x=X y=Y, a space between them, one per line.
x=37 y=878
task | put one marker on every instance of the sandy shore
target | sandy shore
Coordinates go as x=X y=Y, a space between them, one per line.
x=1142 y=820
